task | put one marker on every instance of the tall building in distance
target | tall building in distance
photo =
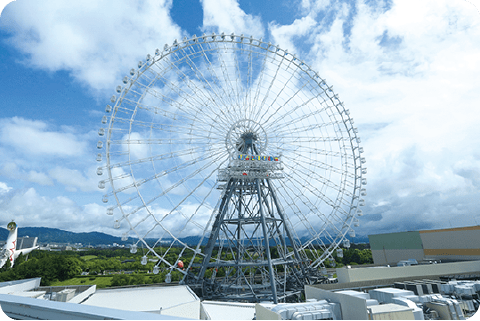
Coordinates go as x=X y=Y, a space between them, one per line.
x=447 y=245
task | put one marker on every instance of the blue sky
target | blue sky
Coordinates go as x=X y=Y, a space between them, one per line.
x=407 y=70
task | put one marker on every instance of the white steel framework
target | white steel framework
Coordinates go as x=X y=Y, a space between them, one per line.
x=174 y=134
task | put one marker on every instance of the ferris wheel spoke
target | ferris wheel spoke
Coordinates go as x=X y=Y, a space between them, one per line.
x=193 y=104
x=212 y=100
x=302 y=153
x=240 y=88
x=141 y=182
x=198 y=121
x=283 y=131
x=192 y=191
x=281 y=106
x=327 y=167
x=300 y=150
x=258 y=87
x=163 y=127
x=211 y=69
x=202 y=203
x=307 y=139
x=173 y=186
x=290 y=111
x=312 y=189
x=249 y=84
x=261 y=106
x=187 y=103
x=160 y=141
x=123 y=203
x=291 y=199
x=219 y=83
x=165 y=156
x=228 y=87
x=307 y=172
x=201 y=78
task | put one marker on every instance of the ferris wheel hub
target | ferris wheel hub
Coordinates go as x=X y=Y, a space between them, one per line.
x=244 y=136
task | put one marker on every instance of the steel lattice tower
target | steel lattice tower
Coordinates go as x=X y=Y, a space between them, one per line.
x=250 y=242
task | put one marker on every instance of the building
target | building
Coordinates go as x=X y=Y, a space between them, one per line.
x=446 y=245
x=420 y=300
x=23 y=242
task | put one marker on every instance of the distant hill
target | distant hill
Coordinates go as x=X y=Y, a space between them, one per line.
x=54 y=235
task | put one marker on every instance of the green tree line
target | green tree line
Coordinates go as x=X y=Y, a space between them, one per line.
x=61 y=266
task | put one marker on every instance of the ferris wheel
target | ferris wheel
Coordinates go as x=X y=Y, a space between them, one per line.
x=233 y=163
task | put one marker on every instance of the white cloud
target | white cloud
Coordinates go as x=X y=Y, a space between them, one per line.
x=284 y=35
x=35 y=139
x=227 y=16
x=12 y=171
x=29 y=208
x=39 y=178
x=74 y=179
x=409 y=76
x=4 y=188
x=97 y=41
x=313 y=6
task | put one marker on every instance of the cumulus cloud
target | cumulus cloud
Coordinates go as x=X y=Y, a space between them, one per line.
x=73 y=179
x=32 y=151
x=407 y=71
x=284 y=35
x=29 y=208
x=13 y=171
x=408 y=74
x=227 y=16
x=34 y=138
x=96 y=41
x=4 y=188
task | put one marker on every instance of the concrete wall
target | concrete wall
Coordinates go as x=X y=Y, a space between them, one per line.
x=356 y=275
x=19 y=285
x=392 y=257
x=84 y=294
x=263 y=313
x=393 y=247
x=396 y=241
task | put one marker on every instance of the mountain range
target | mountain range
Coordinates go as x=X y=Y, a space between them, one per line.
x=53 y=235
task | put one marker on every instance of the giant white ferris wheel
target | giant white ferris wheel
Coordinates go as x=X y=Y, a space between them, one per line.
x=235 y=154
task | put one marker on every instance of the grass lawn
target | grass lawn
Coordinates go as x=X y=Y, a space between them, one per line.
x=101 y=282
x=88 y=257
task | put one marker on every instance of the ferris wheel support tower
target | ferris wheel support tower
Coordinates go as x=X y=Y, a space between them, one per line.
x=248 y=220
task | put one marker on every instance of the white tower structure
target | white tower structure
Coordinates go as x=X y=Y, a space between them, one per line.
x=9 y=251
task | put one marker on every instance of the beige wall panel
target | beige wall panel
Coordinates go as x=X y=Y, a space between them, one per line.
x=451 y=239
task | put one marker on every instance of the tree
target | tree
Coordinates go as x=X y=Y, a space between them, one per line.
x=68 y=267
x=120 y=280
